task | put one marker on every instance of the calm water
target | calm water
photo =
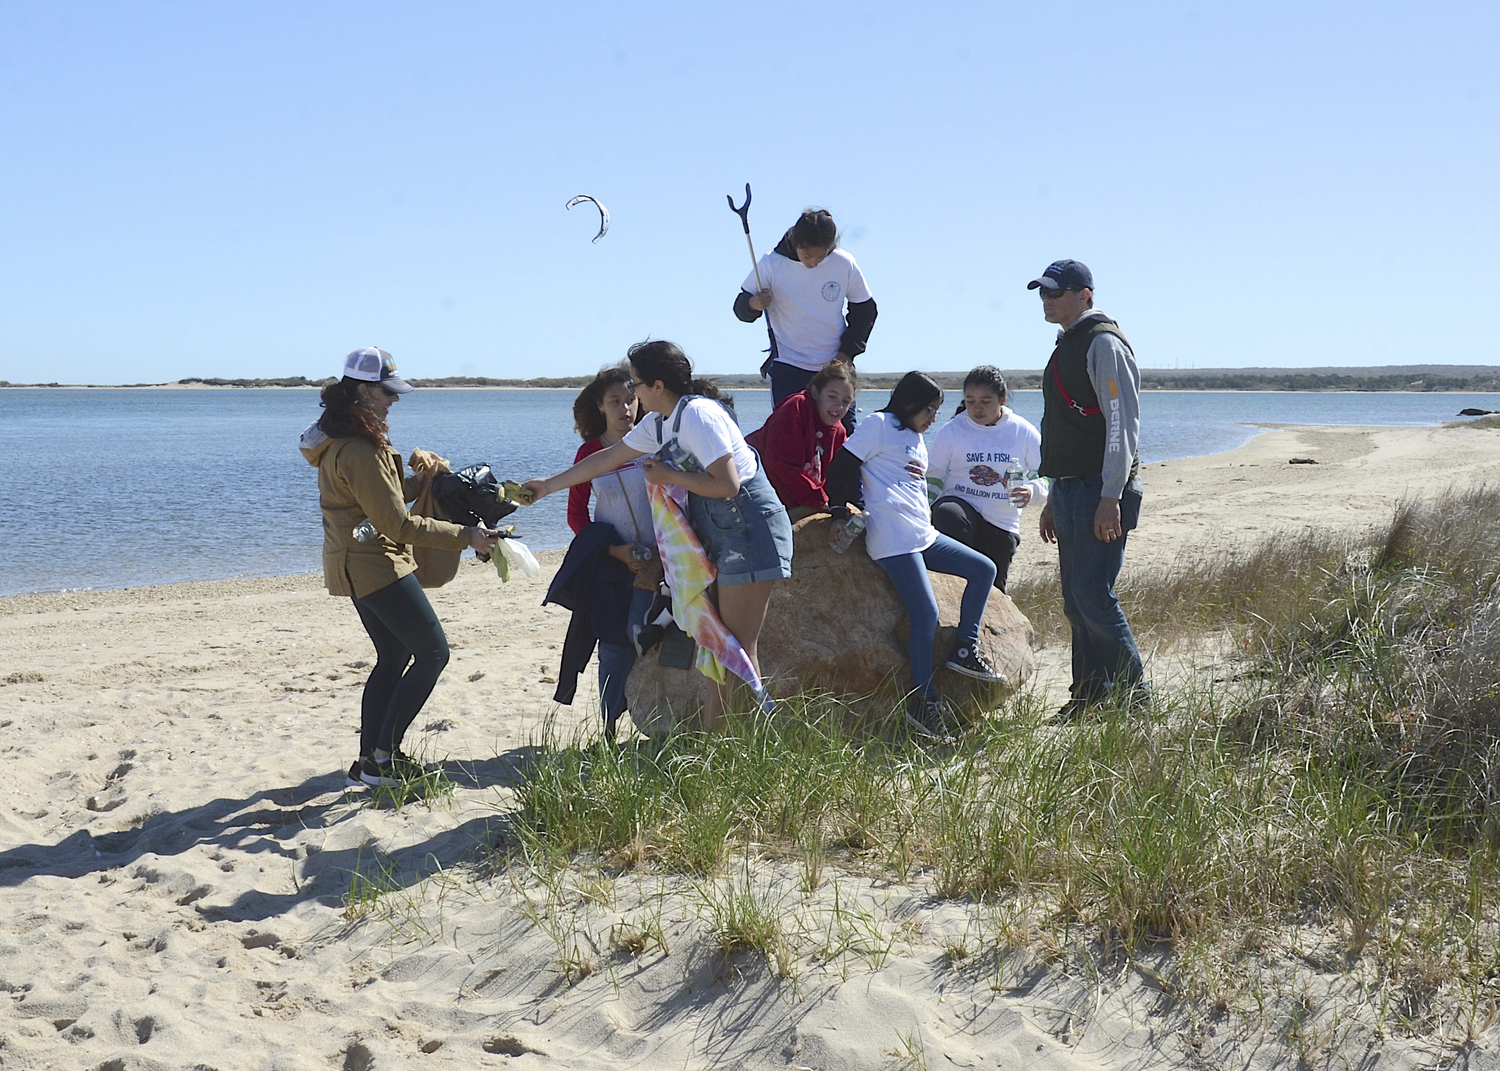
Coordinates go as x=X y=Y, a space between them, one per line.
x=119 y=488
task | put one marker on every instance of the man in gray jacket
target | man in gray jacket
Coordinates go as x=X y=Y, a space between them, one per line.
x=1091 y=426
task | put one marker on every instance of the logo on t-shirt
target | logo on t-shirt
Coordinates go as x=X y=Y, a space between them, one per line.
x=984 y=476
x=832 y=291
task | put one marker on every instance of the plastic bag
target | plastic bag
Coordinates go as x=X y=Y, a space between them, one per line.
x=516 y=555
x=471 y=496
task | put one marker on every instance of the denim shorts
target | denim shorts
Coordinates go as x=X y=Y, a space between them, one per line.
x=747 y=537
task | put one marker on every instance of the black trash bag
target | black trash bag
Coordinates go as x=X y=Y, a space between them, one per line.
x=472 y=496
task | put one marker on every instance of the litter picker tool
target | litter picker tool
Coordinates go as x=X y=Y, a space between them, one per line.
x=744 y=213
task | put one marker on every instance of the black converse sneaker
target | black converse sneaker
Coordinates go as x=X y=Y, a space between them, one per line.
x=926 y=717
x=351 y=779
x=376 y=774
x=969 y=662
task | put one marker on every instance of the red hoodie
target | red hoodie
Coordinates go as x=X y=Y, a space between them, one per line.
x=795 y=446
x=580 y=493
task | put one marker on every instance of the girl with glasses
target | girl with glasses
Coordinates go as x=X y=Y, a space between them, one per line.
x=732 y=507
x=884 y=463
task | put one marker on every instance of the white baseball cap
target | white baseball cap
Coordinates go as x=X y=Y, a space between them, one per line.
x=373 y=365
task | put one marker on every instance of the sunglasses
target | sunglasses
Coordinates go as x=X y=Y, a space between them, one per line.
x=390 y=393
x=1051 y=295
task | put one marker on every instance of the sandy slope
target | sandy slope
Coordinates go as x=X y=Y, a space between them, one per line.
x=177 y=846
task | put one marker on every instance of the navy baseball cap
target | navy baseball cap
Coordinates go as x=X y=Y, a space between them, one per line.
x=1064 y=275
x=374 y=365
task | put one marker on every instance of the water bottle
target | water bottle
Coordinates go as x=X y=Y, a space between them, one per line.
x=641 y=553
x=674 y=454
x=1015 y=476
x=845 y=534
x=364 y=531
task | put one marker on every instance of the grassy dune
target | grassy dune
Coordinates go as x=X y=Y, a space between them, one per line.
x=1330 y=790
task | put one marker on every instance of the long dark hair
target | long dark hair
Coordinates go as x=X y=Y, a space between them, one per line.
x=814 y=229
x=588 y=419
x=345 y=418
x=915 y=392
x=657 y=359
x=987 y=376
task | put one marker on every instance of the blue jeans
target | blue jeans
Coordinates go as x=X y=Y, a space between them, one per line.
x=788 y=379
x=908 y=572
x=616 y=659
x=405 y=632
x=1104 y=650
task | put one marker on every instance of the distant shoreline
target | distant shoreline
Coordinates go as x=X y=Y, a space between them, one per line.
x=1388 y=379
x=866 y=383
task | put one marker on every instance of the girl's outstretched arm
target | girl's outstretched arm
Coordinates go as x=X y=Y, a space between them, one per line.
x=606 y=460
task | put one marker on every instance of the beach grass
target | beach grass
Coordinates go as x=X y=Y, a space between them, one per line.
x=1326 y=794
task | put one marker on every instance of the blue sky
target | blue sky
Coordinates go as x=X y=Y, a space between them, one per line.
x=254 y=189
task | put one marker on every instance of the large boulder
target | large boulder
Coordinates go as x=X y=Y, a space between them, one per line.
x=838 y=626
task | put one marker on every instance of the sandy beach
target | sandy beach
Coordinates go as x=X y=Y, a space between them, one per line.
x=176 y=858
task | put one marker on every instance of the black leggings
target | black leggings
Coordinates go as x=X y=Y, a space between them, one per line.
x=958 y=520
x=404 y=629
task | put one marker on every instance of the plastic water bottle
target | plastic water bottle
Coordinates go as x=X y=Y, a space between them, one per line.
x=364 y=531
x=845 y=534
x=1015 y=476
x=674 y=454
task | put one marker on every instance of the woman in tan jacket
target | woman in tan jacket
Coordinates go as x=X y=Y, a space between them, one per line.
x=360 y=477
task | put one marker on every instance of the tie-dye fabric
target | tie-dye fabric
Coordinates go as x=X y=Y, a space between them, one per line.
x=689 y=574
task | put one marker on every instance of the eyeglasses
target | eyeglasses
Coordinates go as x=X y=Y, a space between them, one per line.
x=631 y=384
x=1051 y=295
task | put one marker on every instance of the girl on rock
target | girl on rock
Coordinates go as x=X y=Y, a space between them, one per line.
x=976 y=501
x=808 y=282
x=886 y=460
x=731 y=505
x=801 y=436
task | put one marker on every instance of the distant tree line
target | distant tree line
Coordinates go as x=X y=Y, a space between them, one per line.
x=1151 y=379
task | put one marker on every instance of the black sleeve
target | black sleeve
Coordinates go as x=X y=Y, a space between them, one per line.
x=843 y=483
x=861 y=318
x=743 y=310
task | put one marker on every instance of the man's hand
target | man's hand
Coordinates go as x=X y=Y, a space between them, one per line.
x=760 y=301
x=1020 y=495
x=1046 y=527
x=1107 y=527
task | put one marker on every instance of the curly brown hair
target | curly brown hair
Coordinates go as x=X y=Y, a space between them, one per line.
x=345 y=418
x=588 y=418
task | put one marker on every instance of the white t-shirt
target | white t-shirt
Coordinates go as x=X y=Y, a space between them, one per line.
x=807 y=305
x=971 y=460
x=621 y=499
x=899 y=521
x=707 y=432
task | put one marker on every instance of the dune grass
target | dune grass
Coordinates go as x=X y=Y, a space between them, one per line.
x=1340 y=778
